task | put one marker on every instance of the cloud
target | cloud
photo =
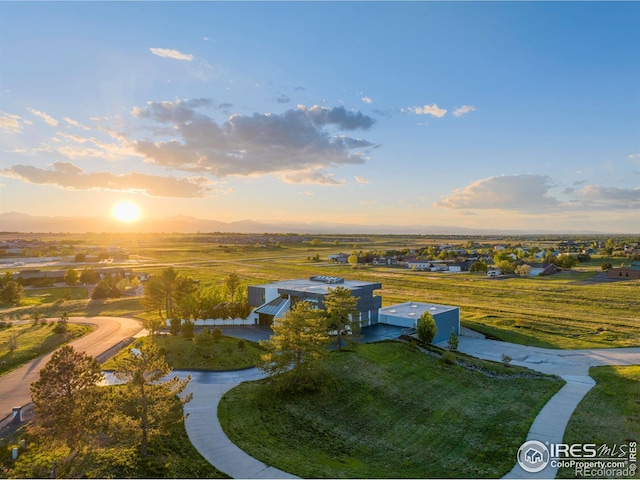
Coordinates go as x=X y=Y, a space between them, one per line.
x=432 y=110
x=299 y=140
x=68 y=176
x=460 y=111
x=361 y=180
x=47 y=118
x=170 y=53
x=311 y=177
x=366 y=100
x=634 y=156
x=597 y=196
x=75 y=123
x=10 y=123
x=506 y=192
x=283 y=99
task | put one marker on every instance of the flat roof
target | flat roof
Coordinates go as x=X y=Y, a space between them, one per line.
x=415 y=309
x=318 y=287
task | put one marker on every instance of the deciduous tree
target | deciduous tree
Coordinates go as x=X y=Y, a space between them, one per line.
x=71 y=277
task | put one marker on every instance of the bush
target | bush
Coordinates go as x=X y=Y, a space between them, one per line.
x=506 y=359
x=241 y=344
x=449 y=358
x=176 y=325
x=217 y=334
x=453 y=341
x=187 y=329
x=426 y=328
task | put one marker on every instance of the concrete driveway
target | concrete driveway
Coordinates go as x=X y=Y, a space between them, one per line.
x=571 y=365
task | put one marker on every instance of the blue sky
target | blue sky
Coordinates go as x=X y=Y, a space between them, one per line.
x=504 y=115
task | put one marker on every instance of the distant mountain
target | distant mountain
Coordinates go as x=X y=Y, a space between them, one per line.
x=21 y=222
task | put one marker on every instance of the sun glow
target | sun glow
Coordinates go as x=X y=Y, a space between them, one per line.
x=126 y=211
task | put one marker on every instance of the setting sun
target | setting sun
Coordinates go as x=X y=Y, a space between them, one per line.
x=126 y=211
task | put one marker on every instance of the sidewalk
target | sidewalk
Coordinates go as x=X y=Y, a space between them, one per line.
x=204 y=429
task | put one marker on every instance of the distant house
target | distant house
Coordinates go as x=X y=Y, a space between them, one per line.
x=631 y=272
x=338 y=257
x=539 y=269
x=460 y=266
x=419 y=264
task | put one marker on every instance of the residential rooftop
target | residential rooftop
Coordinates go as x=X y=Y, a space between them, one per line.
x=415 y=309
x=320 y=284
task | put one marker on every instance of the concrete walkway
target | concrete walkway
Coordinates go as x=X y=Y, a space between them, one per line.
x=204 y=429
x=571 y=365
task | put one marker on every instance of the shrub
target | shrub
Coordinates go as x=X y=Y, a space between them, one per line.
x=241 y=344
x=506 y=359
x=449 y=358
x=453 y=341
x=426 y=328
x=176 y=325
x=217 y=334
x=187 y=329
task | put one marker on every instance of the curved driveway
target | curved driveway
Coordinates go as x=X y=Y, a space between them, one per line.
x=109 y=331
x=572 y=365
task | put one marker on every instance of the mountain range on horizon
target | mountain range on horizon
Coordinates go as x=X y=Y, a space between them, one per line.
x=24 y=223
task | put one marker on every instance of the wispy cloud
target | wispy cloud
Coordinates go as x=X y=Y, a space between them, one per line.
x=170 y=53
x=464 y=109
x=75 y=123
x=10 y=123
x=601 y=197
x=361 y=180
x=49 y=120
x=283 y=99
x=432 y=110
x=299 y=140
x=366 y=100
x=68 y=176
x=505 y=192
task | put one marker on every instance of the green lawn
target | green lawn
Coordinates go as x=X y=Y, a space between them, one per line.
x=33 y=341
x=609 y=413
x=183 y=354
x=391 y=412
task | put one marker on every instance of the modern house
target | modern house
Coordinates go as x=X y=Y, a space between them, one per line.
x=274 y=299
x=407 y=314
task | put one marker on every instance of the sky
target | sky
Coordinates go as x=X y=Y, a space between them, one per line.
x=492 y=115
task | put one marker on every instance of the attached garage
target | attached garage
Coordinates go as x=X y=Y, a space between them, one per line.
x=407 y=314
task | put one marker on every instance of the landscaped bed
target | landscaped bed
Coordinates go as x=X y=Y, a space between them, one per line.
x=388 y=411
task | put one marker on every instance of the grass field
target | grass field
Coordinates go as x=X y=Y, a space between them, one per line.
x=391 y=412
x=610 y=413
x=557 y=311
x=33 y=341
x=183 y=354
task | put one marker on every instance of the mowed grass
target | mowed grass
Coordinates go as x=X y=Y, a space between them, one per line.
x=183 y=354
x=390 y=412
x=609 y=413
x=33 y=341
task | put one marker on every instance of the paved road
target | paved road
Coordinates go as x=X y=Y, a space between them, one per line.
x=14 y=386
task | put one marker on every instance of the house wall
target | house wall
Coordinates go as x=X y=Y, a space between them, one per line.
x=623 y=273
x=445 y=321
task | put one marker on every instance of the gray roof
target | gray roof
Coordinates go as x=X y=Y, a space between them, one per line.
x=415 y=309
x=316 y=287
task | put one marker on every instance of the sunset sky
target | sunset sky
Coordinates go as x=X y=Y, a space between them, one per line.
x=504 y=115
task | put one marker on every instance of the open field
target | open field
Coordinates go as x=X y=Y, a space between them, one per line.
x=610 y=412
x=390 y=411
x=555 y=311
x=33 y=341
x=183 y=354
